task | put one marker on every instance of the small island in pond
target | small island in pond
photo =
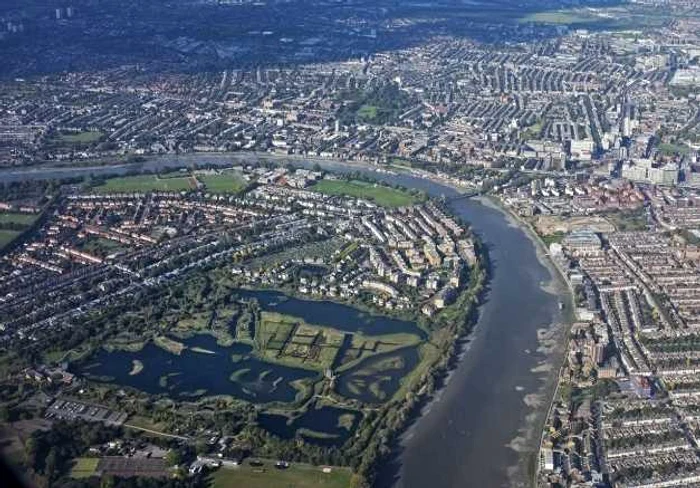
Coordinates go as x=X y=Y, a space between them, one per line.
x=136 y=367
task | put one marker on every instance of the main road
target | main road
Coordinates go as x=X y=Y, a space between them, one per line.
x=482 y=429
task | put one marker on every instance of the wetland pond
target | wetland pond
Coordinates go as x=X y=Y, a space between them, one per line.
x=323 y=426
x=206 y=368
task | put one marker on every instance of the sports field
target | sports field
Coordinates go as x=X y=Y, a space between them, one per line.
x=267 y=476
x=23 y=219
x=381 y=195
x=84 y=467
x=145 y=183
x=84 y=137
x=7 y=236
x=225 y=182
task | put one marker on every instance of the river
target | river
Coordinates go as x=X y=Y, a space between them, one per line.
x=475 y=432
x=482 y=429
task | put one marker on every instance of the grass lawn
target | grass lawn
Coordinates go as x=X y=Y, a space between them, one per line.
x=347 y=250
x=274 y=330
x=560 y=17
x=226 y=182
x=280 y=345
x=145 y=423
x=552 y=238
x=101 y=246
x=267 y=476
x=55 y=356
x=381 y=195
x=628 y=220
x=85 y=137
x=144 y=183
x=84 y=467
x=367 y=112
x=670 y=149
x=23 y=219
x=533 y=132
x=7 y=236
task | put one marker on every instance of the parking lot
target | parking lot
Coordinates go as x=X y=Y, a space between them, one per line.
x=71 y=410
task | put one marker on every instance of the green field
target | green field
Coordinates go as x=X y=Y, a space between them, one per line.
x=85 y=137
x=533 y=132
x=144 y=183
x=101 y=246
x=267 y=476
x=559 y=17
x=670 y=149
x=22 y=219
x=226 y=182
x=556 y=237
x=611 y=18
x=142 y=422
x=84 y=467
x=367 y=112
x=274 y=330
x=628 y=220
x=381 y=195
x=7 y=236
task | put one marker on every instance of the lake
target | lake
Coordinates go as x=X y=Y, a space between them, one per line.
x=341 y=317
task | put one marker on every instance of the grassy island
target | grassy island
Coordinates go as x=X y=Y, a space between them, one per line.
x=169 y=344
x=137 y=367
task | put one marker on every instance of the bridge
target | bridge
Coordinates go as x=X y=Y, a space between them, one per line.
x=459 y=196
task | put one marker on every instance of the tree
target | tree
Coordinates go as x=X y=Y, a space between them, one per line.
x=357 y=481
x=201 y=447
x=173 y=457
x=30 y=448
x=5 y=415
x=107 y=481
x=51 y=464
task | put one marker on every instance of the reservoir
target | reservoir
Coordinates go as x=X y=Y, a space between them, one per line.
x=465 y=437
